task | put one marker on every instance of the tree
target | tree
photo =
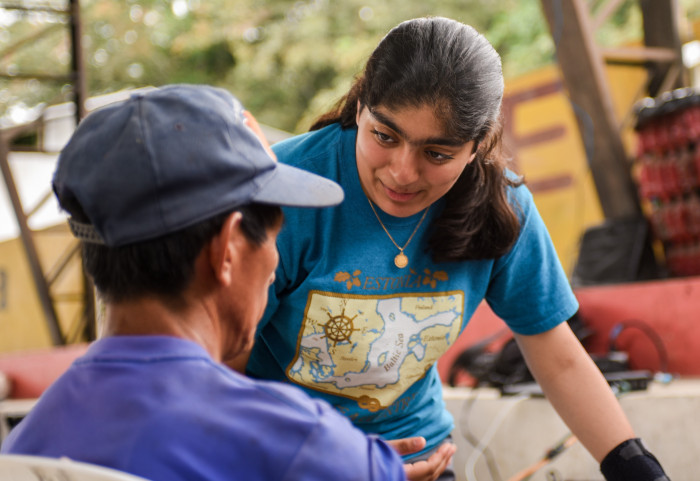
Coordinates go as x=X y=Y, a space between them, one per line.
x=287 y=61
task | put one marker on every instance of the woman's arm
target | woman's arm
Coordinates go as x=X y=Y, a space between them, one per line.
x=576 y=389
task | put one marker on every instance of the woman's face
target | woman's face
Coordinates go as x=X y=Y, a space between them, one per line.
x=404 y=158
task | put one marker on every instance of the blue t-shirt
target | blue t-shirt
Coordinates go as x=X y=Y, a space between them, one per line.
x=348 y=326
x=159 y=407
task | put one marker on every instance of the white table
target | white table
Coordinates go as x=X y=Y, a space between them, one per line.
x=516 y=432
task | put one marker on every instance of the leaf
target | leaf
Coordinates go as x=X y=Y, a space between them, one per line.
x=341 y=276
x=440 y=275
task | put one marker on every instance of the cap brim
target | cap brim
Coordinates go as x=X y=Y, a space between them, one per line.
x=290 y=186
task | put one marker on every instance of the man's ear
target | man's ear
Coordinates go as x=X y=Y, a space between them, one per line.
x=225 y=253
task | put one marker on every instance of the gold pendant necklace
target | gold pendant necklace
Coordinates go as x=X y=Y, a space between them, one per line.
x=400 y=260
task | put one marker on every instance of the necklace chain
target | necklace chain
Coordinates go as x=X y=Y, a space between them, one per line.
x=400 y=260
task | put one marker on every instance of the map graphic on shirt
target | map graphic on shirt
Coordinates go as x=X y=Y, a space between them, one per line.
x=372 y=348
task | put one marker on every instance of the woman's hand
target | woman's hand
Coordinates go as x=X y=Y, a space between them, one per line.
x=426 y=470
x=252 y=122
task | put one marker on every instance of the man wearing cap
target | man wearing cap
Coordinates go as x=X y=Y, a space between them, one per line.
x=176 y=201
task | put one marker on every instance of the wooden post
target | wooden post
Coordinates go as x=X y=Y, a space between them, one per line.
x=583 y=75
x=35 y=268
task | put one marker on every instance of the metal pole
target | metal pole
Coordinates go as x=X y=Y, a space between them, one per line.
x=78 y=63
x=80 y=92
x=42 y=288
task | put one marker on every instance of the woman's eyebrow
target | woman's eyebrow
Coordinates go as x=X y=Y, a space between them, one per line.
x=381 y=118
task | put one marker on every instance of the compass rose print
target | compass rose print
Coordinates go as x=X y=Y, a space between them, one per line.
x=339 y=328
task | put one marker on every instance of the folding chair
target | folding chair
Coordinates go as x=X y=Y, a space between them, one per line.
x=14 y=467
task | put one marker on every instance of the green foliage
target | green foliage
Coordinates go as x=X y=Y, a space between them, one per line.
x=522 y=38
x=623 y=27
x=288 y=61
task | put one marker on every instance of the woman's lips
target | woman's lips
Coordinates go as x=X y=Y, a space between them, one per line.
x=399 y=196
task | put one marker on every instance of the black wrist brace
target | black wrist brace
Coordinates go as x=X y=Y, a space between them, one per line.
x=630 y=461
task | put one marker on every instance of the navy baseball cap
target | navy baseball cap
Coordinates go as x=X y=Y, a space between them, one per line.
x=170 y=158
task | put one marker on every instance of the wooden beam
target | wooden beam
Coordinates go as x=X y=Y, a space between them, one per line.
x=604 y=13
x=78 y=63
x=30 y=250
x=29 y=39
x=639 y=55
x=584 y=77
x=671 y=80
x=39 y=76
x=660 y=21
x=34 y=8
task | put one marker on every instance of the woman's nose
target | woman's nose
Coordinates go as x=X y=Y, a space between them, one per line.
x=404 y=166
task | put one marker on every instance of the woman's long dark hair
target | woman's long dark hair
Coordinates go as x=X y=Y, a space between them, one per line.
x=451 y=67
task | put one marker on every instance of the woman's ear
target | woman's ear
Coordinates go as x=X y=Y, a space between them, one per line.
x=474 y=148
x=224 y=251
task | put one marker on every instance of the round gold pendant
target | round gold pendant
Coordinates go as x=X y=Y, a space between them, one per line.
x=401 y=260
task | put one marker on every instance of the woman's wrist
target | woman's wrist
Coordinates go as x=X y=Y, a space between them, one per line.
x=631 y=461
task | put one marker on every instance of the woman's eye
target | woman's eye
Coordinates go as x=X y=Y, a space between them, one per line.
x=382 y=136
x=437 y=156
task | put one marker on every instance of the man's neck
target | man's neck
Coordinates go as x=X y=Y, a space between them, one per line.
x=152 y=316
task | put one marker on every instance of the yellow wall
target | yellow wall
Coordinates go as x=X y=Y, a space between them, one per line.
x=543 y=139
x=22 y=322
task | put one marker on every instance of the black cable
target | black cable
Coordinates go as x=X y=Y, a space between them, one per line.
x=468 y=357
x=646 y=329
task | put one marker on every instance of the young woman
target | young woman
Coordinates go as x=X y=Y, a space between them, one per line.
x=369 y=294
